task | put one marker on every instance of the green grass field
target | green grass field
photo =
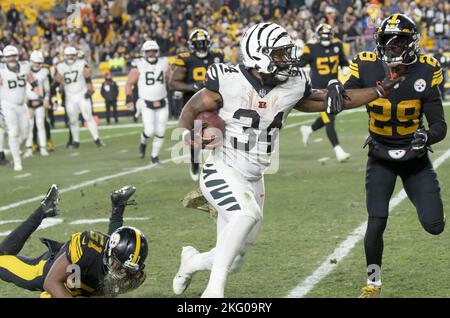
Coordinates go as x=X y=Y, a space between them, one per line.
x=310 y=208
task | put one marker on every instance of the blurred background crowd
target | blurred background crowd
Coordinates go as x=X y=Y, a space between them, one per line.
x=111 y=32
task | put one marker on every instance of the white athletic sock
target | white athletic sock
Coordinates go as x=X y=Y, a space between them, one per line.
x=201 y=262
x=144 y=138
x=14 y=146
x=156 y=147
x=229 y=243
x=92 y=128
x=75 y=132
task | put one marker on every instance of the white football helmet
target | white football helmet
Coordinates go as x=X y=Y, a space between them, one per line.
x=11 y=56
x=261 y=43
x=70 y=54
x=36 y=59
x=150 y=46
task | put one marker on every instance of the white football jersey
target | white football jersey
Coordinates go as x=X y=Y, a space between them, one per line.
x=152 y=82
x=13 y=84
x=74 y=81
x=253 y=115
x=41 y=77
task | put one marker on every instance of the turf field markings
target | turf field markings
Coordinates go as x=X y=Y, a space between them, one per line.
x=323 y=160
x=74 y=154
x=25 y=175
x=91 y=182
x=348 y=244
x=123 y=151
x=111 y=127
x=104 y=220
x=46 y=223
x=104 y=137
x=10 y=221
x=79 y=173
x=318 y=140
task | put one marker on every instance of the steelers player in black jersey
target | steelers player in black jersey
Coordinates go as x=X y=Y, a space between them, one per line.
x=399 y=141
x=324 y=58
x=90 y=264
x=190 y=73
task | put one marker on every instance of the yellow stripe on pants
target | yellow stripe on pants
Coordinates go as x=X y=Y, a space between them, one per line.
x=325 y=117
x=21 y=269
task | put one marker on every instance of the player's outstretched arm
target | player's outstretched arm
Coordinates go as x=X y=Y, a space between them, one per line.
x=56 y=277
x=133 y=77
x=177 y=79
x=204 y=100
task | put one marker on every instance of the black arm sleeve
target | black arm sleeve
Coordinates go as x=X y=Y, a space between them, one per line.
x=212 y=78
x=343 y=61
x=434 y=112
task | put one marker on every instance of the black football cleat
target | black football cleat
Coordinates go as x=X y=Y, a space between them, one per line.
x=50 y=202
x=3 y=160
x=120 y=196
x=155 y=160
x=142 y=148
x=99 y=143
x=75 y=145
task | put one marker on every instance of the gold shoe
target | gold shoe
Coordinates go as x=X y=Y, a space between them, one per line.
x=50 y=145
x=35 y=147
x=370 y=291
x=196 y=200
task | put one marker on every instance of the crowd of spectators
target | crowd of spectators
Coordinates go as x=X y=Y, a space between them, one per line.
x=111 y=31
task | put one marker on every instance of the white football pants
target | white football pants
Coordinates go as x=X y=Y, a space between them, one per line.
x=17 y=123
x=154 y=121
x=38 y=115
x=75 y=105
x=239 y=204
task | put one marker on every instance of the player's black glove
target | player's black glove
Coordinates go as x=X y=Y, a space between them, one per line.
x=197 y=86
x=88 y=94
x=420 y=139
x=336 y=97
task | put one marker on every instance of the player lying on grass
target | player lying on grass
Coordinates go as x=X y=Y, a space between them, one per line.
x=90 y=264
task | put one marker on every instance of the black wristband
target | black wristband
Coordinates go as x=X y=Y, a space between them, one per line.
x=88 y=80
x=129 y=99
x=34 y=84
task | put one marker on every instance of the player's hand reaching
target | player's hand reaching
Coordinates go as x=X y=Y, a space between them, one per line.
x=336 y=97
x=391 y=81
x=420 y=139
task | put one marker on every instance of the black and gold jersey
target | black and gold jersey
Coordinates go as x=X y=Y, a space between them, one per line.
x=85 y=249
x=196 y=67
x=324 y=62
x=394 y=119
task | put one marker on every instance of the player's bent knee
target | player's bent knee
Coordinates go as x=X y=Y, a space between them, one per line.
x=435 y=228
x=237 y=263
x=250 y=207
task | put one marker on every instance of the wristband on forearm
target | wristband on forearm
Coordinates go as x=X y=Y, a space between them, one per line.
x=34 y=84
x=129 y=99
x=88 y=80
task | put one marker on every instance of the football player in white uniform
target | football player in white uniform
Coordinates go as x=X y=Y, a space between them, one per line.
x=151 y=73
x=3 y=160
x=74 y=76
x=14 y=76
x=254 y=100
x=38 y=104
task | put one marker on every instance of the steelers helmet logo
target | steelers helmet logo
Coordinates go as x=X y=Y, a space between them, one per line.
x=216 y=60
x=336 y=49
x=420 y=85
x=115 y=239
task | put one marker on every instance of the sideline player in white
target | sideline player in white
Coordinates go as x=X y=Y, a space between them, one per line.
x=13 y=78
x=254 y=100
x=3 y=160
x=38 y=104
x=151 y=74
x=74 y=76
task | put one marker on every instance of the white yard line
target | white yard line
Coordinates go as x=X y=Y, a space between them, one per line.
x=130 y=133
x=10 y=221
x=347 y=245
x=25 y=175
x=74 y=154
x=79 y=173
x=91 y=182
x=121 y=126
x=104 y=220
x=46 y=223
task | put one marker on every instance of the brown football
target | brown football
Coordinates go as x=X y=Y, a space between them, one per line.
x=213 y=127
